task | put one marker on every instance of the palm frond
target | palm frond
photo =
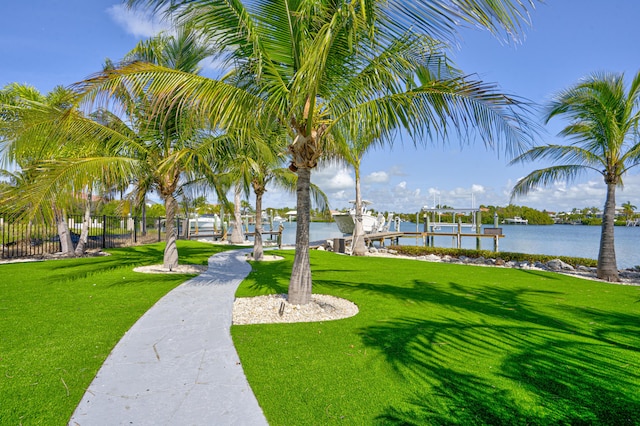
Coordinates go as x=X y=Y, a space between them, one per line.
x=441 y=18
x=57 y=181
x=562 y=153
x=546 y=176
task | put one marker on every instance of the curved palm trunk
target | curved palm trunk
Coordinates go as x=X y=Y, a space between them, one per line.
x=237 y=236
x=359 y=248
x=258 y=252
x=607 y=265
x=84 y=234
x=66 y=245
x=143 y=214
x=171 y=249
x=300 y=283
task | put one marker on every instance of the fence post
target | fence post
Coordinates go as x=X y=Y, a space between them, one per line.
x=159 y=223
x=135 y=229
x=104 y=231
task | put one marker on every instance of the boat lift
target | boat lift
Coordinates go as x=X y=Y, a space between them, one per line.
x=433 y=227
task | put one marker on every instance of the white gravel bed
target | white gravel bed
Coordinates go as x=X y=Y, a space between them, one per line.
x=180 y=269
x=276 y=309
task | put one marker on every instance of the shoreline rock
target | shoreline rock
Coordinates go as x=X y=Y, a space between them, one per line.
x=627 y=276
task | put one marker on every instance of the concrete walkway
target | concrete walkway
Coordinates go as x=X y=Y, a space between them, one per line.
x=177 y=365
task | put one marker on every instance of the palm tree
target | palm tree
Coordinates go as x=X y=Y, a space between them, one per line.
x=603 y=129
x=173 y=143
x=257 y=164
x=283 y=178
x=352 y=151
x=628 y=209
x=24 y=110
x=158 y=150
x=294 y=59
x=251 y=164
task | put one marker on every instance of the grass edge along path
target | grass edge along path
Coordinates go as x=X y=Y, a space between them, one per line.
x=59 y=320
x=438 y=343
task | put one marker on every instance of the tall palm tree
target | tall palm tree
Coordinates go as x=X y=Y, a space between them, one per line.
x=172 y=142
x=603 y=128
x=294 y=58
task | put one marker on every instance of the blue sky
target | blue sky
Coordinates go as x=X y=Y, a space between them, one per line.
x=50 y=42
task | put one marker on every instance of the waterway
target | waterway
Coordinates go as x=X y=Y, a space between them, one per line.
x=556 y=240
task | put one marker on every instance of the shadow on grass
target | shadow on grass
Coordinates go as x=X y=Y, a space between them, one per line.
x=271 y=277
x=126 y=258
x=497 y=359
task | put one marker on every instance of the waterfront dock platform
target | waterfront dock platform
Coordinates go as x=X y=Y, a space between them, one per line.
x=394 y=237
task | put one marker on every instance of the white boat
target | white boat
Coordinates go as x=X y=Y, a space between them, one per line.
x=204 y=225
x=517 y=220
x=370 y=223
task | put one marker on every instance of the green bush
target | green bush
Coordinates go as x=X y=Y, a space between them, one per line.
x=504 y=255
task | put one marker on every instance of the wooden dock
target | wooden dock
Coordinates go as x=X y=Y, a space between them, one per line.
x=382 y=236
x=427 y=237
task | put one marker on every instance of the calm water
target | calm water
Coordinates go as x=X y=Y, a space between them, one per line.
x=561 y=240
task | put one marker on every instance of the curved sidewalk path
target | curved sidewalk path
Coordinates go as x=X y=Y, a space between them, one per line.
x=177 y=364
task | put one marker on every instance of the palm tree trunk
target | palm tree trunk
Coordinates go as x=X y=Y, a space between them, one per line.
x=607 y=265
x=143 y=213
x=300 y=283
x=237 y=236
x=258 y=252
x=170 y=261
x=359 y=248
x=66 y=244
x=84 y=234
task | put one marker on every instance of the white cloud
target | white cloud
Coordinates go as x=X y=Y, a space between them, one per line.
x=377 y=177
x=406 y=196
x=397 y=171
x=334 y=178
x=137 y=22
x=563 y=196
x=477 y=189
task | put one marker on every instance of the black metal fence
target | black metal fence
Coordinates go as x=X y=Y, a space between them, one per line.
x=31 y=239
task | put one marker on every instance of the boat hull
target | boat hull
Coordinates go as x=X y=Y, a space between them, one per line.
x=345 y=222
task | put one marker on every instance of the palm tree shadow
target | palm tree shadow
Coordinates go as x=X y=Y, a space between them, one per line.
x=270 y=277
x=549 y=370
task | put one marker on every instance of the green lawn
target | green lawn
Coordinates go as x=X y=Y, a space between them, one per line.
x=60 y=319
x=446 y=344
x=432 y=344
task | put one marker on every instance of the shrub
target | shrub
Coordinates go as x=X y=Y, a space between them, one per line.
x=506 y=256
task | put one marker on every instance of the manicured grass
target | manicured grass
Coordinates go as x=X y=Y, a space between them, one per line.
x=446 y=344
x=60 y=319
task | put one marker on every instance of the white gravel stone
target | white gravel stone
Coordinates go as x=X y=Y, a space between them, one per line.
x=275 y=308
x=180 y=269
